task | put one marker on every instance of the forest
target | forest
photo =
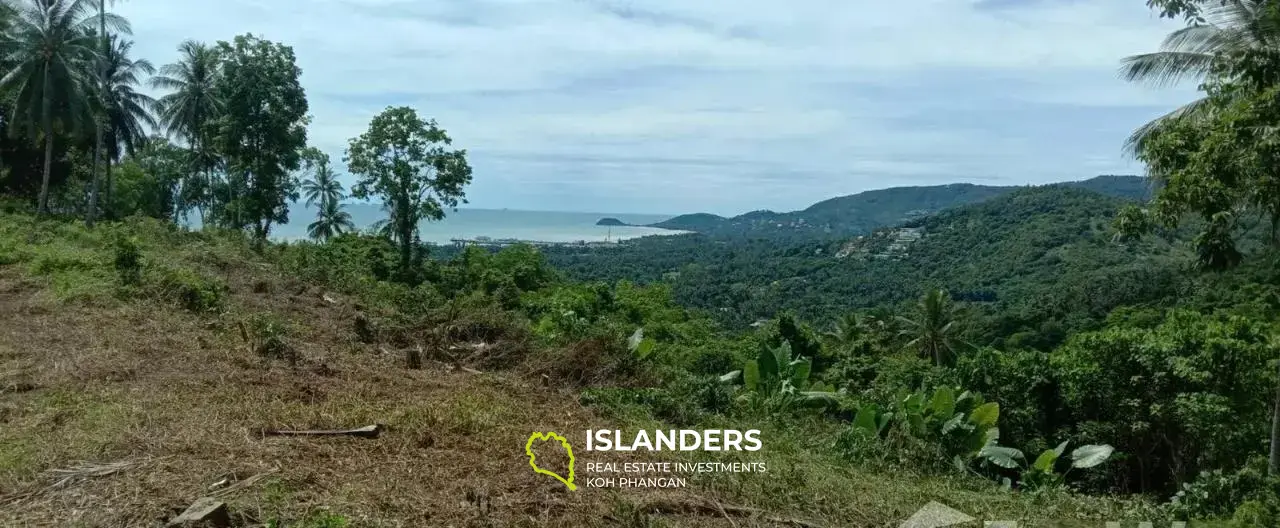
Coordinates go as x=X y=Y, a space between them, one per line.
x=1100 y=350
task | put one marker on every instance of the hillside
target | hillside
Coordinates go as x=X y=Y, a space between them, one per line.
x=863 y=212
x=158 y=359
x=1023 y=254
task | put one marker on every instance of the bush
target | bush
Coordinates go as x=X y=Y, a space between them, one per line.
x=265 y=335
x=128 y=260
x=190 y=289
x=1248 y=492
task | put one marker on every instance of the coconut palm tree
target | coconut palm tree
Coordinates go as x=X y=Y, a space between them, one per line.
x=330 y=222
x=49 y=47
x=192 y=104
x=932 y=331
x=1231 y=30
x=846 y=332
x=323 y=186
x=128 y=113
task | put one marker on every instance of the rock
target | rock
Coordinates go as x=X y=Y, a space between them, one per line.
x=206 y=511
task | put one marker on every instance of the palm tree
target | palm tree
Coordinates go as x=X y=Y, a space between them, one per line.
x=50 y=48
x=1231 y=29
x=932 y=331
x=847 y=331
x=193 y=103
x=127 y=111
x=323 y=186
x=330 y=222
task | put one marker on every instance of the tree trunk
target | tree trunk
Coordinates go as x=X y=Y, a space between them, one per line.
x=42 y=207
x=1274 y=466
x=92 y=212
x=106 y=196
x=100 y=125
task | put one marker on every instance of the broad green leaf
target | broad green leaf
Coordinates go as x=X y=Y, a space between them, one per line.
x=782 y=354
x=1005 y=457
x=986 y=415
x=866 y=419
x=943 y=402
x=800 y=372
x=637 y=337
x=1090 y=455
x=913 y=403
x=1062 y=448
x=768 y=364
x=1045 y=461
x=953 y=423
x=751 y=375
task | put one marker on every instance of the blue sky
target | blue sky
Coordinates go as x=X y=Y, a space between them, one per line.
x=673 y=106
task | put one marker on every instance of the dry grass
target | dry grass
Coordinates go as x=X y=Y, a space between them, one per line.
x=102 y=387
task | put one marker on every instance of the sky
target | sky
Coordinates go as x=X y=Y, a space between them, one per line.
x=676 y=106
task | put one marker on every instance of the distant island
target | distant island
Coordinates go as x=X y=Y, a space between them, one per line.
x=611 y=222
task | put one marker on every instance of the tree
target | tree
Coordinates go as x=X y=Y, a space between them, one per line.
x=331 y=221
x=847 y=331
x=261 y=132
x=1219 y=35
x=932 y=332
x=405 y=160
x=50 y=48
x=127 y=111
x=1220 y=165
x=323 y=185
x=187 y=111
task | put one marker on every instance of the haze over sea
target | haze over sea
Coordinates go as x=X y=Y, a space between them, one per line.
x=533 y=226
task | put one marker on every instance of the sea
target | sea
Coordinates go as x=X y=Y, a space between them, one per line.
x=493 y=224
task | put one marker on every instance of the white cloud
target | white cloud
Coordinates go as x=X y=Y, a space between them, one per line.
x=679 y=105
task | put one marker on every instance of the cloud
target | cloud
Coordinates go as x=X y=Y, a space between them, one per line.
x=687 y=105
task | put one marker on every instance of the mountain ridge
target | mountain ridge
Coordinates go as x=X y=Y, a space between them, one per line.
x=868 y=210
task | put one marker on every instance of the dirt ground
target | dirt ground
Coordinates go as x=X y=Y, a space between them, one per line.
x=145 y=408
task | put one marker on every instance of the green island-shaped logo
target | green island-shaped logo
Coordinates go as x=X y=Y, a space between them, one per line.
x=528 y=450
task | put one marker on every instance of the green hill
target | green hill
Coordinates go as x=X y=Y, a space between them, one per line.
x=1025 y=254
x=863 y=212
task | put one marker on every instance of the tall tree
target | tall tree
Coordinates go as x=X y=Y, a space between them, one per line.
x=405 y=160
x=331 y=221
x=1221 y=165
x=128 y=113
x=846 y=332
x=261 y=132
x=186 y=113
x=1219 y=34
x=50 y=48
x=932 y=331
x=323 y=185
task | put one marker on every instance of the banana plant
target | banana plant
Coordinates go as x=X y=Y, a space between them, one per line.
x=775 y=373
x=1043 y=471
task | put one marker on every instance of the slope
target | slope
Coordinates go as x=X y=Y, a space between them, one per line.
x=162 y=380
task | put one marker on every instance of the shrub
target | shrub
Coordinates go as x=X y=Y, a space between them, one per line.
x=190 y=289
x=265 y=335
x=128 y=260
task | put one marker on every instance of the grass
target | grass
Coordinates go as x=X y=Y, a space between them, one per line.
x=115 y=371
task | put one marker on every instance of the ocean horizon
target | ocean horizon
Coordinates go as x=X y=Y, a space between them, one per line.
x=496 y=224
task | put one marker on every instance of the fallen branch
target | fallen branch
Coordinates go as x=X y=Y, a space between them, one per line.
x=368 y=431
x=81 y=471
x=243 y=483
x=704 y=507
